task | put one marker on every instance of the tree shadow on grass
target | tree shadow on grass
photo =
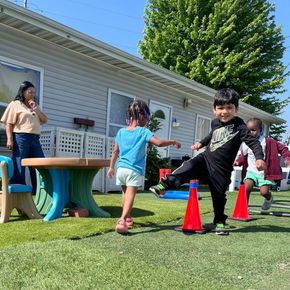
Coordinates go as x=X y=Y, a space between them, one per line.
x=261 y=229
x=151 y=228
x=116 y=211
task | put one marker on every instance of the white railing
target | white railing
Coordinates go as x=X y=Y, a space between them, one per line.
x=69 y=143
x=64 y=142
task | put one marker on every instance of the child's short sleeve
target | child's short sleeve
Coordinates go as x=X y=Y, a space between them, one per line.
x=148 y=134
x=117 y=138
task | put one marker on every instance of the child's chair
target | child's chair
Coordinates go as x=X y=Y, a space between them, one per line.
x=14 y=195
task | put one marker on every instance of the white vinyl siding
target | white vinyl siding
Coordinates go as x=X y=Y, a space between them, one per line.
x=78 y=86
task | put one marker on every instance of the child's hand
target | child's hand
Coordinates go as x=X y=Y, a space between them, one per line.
x=196 y=146
x=287 y=162
x=111 y=172
x=177 y=144
x=260 y=164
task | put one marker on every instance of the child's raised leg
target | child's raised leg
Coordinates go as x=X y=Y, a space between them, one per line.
x=190 y=169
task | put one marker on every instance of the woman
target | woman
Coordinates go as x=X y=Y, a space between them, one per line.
x=22 y=119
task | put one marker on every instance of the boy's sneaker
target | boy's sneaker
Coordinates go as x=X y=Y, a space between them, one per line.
x=267 y=204
x=158 y=189
x=220 y=229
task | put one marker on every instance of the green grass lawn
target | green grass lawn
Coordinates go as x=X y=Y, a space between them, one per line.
x=86 y=253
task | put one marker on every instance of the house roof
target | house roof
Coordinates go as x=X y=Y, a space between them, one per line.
x=24 y=20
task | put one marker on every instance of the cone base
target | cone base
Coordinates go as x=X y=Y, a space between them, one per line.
x=191 y=231
x=242 y=219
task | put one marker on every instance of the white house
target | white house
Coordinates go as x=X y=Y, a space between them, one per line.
x=79 y=77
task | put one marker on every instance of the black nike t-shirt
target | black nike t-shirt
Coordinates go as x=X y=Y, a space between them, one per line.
x=223 y=143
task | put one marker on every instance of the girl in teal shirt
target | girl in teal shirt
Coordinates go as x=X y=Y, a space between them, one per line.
x=130 y=147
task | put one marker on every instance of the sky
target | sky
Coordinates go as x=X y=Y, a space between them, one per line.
x=120 y=24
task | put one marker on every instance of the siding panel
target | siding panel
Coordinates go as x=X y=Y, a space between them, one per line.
x=77 y=86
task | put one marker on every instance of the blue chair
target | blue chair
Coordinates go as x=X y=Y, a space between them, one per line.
x=14 y=195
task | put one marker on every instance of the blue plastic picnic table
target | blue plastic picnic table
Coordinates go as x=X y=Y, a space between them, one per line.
x=70 y=180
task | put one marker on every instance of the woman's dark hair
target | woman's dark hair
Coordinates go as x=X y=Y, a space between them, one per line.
x=23 y=87
x=225 y=97
x=258 y=122
x=136 y=111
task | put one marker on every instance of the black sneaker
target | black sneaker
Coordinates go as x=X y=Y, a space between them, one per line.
x=220 y=229
x=158 y=189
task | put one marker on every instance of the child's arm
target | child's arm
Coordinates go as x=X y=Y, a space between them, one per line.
x=254 y=144
x=206 y=140
x=260 y=164
x=242 y=156
x=196 y=146
x=163 y=143
x=114 y=158
x=284 y=151
x=240 y=160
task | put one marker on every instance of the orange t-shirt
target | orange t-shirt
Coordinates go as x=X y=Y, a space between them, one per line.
x=23 y=119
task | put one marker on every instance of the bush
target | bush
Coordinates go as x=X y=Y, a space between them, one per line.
x=153 y=160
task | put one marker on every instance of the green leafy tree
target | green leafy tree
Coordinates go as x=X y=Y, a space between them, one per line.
x=220 y=43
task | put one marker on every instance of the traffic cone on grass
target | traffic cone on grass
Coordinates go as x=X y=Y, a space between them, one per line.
x=192 y=219
x=241 y=212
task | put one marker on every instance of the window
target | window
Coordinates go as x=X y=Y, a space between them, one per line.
x=12 y=74
x=202 y=127
x=118 y=104
x=266 y=129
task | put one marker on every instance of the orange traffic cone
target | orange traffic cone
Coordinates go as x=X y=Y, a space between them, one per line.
x=192 y=220
x=241 y=209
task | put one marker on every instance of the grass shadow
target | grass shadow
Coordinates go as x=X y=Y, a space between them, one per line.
x=261 y=229
x=209 y=227
x=116 y=211
x=152 y=228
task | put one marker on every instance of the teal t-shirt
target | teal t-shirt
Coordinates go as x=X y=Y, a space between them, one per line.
x=132 y=146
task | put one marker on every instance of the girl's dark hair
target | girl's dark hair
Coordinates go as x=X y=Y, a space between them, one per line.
x=225 y=97
x=23 y=87
x=258 y=122
x=136 y=111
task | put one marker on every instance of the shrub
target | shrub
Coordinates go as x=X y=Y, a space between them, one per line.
x=153 y=159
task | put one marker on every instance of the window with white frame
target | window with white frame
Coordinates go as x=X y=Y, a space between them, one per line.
x=118 y=105
x=12 y=74
x=202 y=127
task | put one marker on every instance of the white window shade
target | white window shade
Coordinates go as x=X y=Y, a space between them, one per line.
x=202 y=128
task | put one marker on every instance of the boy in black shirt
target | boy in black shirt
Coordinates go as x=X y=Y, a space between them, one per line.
x=215 y=164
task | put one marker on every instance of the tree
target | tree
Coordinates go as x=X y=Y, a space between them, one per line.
x=220 y=43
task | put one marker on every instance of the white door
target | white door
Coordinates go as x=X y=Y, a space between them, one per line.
x=164 y=115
